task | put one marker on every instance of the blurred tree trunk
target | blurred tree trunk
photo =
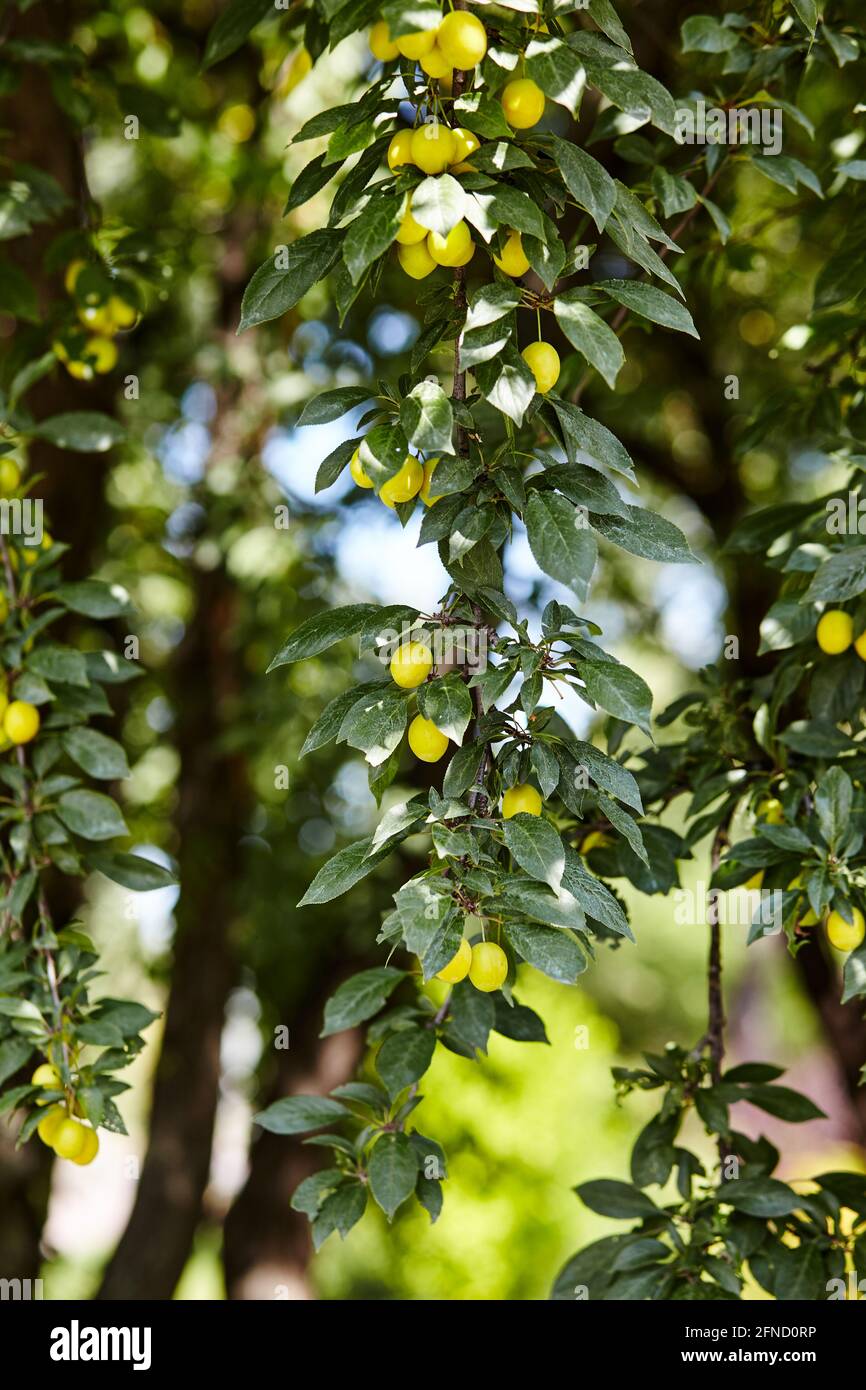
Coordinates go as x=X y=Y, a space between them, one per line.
x=213 y=794
x=267 y=1246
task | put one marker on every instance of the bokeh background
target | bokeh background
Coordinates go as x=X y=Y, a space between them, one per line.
x=187 y=515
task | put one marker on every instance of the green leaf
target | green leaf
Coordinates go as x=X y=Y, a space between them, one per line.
x=84 y=431
x=554 y=952
x=332 y=405
x=590 y=335
x=300 y=1114
x=57 y=663
x=232 y=27
x=392 y=1172
x=760 y=1196
x=321 y=631
x=340 y=1211
x=309 y=1195
x=404 y=1057
x=588 y=182
x=651 y=302
x=472 y=1015
x=596 y=440
x=346 y=868
x=427 y=418
x=507 y=383
x=97 y=754
x=807 y=10
x=510 y=207
x=94 y=599
x=327 y=726
x=448 y=703
x=619 y=690
x=438 y=203
x=371 y=233
x=833 y=804
x=359 y=998
x=784 y=1103
x=284 y=278
x=375 y=724
x=536 y=847
x=841 y=577
x=17 y=294
x=617 y=1199
x=703 y=34
x=648 y=534
x=557 y=71
x=560 y=541
x=91 y=815
x=131 y=871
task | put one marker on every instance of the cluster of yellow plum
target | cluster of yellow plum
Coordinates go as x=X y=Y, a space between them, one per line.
x=460 y=41
x=412 y=480
x=68 y=1137
x=485 y=963
x=842 y=934
x=104 y=317
x=835 y=634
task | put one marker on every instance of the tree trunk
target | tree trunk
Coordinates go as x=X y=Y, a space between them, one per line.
x=155 y=1246
x=267 y=1246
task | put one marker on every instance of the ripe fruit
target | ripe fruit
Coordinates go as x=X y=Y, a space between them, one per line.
x=69 y=1138
x=465 y=144
x=416 y=260
x=860 y=646
x=596 y=839
x=429 y=470
x=356 y=468
x=4 y=614
x=835 y=632
x=381 y=46
x=433 y=147
x=121 y=311
x=426 y=741
x=21 y=722
x=73 y=270
x=435 y=64
x=98 y=317
x=513 y=259
x=543 y=361
x=415 y=45
x=82 y=371
x=521 y=798
x=523 y=103
x=404 y=485
x=46 y=1076
x=89 y=1148
x=10 y=476
x=450 y=249
x=103 y=352
x=458 y=966
x=400 y=150
x=809 y=919
x=846 y=936
x=489 y=966
x=49 y=1124
x=463 y=39
x=410 y=232
x=411 y=664
x=771 y=810
x=754 y=883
